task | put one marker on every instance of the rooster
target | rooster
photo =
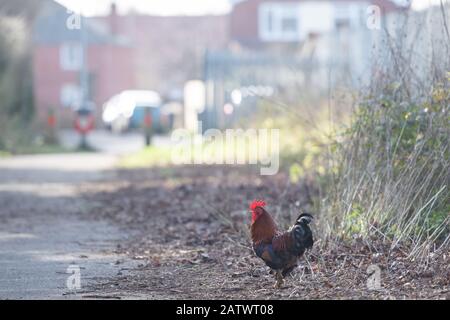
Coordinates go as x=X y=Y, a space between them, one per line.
x=279 y=250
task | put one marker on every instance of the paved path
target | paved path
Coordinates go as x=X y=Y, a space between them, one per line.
x=42 y=228
x=110 y=143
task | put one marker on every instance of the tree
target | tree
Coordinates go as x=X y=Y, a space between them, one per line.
x=16 y=94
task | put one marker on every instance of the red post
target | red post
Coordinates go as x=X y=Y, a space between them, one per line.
x=84 y=123
x=148 y=122
x=51 y=127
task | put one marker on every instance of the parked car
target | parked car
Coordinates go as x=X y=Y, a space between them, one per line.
x=127 y=110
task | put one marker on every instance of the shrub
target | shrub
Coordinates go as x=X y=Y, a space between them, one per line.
x=388 y=173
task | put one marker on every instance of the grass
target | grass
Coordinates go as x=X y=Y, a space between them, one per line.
x=387 y=173
x=389 y=177
x=41 y=149
x=35 y=149
x=149 y=157
x=4 y=154
x=242 y=150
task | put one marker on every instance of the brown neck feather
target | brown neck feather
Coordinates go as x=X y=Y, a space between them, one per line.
x=264 y=228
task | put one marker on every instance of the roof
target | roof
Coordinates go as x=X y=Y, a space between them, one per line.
x=52 y=27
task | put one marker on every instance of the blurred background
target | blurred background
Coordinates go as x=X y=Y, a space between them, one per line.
x=210 y=61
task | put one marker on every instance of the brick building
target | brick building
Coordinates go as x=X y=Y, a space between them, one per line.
x=169 y=50
x=124 y=52
x=58 y=55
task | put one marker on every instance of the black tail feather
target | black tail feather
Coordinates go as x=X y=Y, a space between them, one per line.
x=305 y=218
x=302 y=233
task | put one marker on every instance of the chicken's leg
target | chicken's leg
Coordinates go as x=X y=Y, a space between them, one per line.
x=279 y=279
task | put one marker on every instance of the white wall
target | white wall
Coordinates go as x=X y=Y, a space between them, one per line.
x=318 y=16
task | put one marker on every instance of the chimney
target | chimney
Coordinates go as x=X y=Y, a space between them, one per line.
x=113 y=20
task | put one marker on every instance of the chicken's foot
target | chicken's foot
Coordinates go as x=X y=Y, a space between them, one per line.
x=279 y=280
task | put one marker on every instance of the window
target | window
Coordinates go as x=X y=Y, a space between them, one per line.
x=269 y=21
x=71 y=57
x=289 y=25
x=342 y=15
x=279 y=22
x=71 y=96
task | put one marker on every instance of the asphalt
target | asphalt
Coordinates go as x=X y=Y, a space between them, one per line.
x=46 y=232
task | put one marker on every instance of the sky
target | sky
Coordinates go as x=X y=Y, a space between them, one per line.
x=157 y=7
x=177 y=7
x=423 y=4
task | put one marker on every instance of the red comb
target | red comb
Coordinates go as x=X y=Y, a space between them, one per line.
x=257 y=203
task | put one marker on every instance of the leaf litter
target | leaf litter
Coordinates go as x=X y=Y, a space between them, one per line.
x=189 y=228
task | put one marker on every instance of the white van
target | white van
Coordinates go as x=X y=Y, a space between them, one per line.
x=125 y=110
